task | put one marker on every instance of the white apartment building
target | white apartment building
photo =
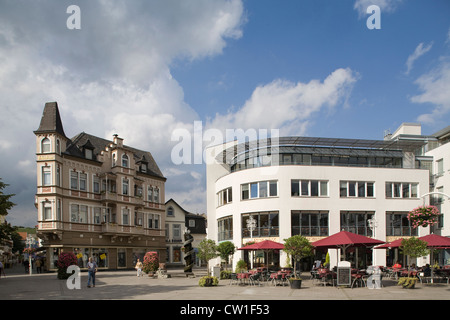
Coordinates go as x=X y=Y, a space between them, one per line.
x=319 y=186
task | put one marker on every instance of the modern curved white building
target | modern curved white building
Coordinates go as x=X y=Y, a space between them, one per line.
x=316 y=187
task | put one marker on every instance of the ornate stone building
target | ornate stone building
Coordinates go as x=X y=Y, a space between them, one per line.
x=96 y=197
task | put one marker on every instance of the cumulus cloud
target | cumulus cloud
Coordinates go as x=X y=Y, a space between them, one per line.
x=418 y=52
x=286 y=105
x=111 y=76
x=435 y=91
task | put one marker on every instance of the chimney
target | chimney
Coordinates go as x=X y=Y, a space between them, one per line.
x=117 y=141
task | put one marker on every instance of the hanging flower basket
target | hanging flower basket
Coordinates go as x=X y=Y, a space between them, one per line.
x=29 y=250
x=423 y=216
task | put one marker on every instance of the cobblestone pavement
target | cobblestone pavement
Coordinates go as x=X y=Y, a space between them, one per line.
x=125 y=285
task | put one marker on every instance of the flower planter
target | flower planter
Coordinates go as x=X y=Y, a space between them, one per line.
x=295 y=283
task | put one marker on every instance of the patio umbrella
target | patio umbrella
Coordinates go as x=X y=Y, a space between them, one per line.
x=393 y=244
x=266 y=246
x=344 y=239
x=436 y=242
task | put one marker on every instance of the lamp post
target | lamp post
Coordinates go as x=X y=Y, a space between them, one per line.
x=424 y=196
x=29 y=243
x=373 y=224
x=251 y=225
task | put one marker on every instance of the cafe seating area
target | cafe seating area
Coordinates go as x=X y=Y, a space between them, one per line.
x=262 y=276
x=423 y=274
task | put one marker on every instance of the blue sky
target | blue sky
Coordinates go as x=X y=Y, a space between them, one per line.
x=143 y=69
x=304 y=40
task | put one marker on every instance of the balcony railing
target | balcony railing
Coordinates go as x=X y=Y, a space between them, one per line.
x=104 y=228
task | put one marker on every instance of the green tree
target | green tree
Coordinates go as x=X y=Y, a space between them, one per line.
x=226 y=249
x=298 y=247
x=414 y=247
x=207 y=250
x=5 y=204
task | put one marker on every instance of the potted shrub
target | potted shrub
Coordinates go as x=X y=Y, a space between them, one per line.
x=297 y=247
x=241 y=266
x=407 y=282
x=151 y=263
x=208 y=281
x=65 y=260
x=207 y=250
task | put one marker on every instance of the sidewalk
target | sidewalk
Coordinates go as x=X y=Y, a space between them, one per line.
x=125 y=285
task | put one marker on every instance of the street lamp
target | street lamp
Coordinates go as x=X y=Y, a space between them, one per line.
x=373 y=224
x=251 y=225
x=29 y=243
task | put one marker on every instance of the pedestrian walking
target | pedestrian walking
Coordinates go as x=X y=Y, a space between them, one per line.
x=92 y=269
x=138 y=267
x=2 y=270
x=38 y=266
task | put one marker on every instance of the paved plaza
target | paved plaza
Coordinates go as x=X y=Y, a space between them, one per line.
x=125 y=285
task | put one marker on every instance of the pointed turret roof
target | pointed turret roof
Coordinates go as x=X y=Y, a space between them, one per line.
x=51 y=120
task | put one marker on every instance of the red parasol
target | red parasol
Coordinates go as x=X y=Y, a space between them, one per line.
x=394 y=244
x=344 y=239
x=266 y=245
x=436 y=242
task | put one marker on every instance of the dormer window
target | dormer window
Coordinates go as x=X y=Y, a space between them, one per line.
x=124 y=161
x=88 y=153
x=143 y=167
x=45 y=145
x=88 y=149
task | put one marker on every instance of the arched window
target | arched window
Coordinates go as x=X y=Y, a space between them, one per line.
x=58 y=146
x=45 y=145
x=125 y=161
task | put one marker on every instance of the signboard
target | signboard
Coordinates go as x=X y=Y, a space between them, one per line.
x=344 y=277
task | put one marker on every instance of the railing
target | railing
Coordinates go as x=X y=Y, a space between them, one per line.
x=110 y=228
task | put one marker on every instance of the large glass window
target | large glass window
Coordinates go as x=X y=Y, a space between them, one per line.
x=267 y=224
x=224 y=197
x=357 y=222
x=261 y=189
x=309 y=223
x=100 y=256
x=309 y=188
x=360 y=189
x=78 y=213
x=397 y=224
x=225 y=228
x=403 y=190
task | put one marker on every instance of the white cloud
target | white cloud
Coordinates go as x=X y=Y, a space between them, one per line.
x=388 y=6
x=286 y=105
x=418 y=52
x=112 y=76
x=435 y=91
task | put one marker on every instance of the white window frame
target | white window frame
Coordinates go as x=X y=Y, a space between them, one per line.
x=46 y=143
x=47 y=211
x=47 y=175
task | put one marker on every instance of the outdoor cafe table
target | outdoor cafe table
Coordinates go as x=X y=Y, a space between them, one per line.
x=243 y=277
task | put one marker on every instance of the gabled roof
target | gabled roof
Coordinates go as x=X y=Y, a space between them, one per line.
x=200 y=228
x=74 y=148
x=51 y=120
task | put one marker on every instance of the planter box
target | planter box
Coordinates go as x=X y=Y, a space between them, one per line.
x=295 y=283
